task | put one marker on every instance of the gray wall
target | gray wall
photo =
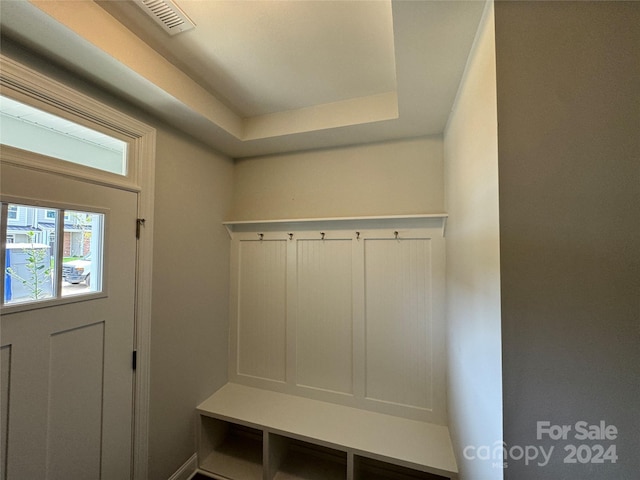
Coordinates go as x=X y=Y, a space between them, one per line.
x=568 y=81
x=189 y=331
x=474 y=368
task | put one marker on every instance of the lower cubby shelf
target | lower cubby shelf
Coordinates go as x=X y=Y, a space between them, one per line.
x=369 y=469
x=230 y=450
x=292 y=459
x=250 y=434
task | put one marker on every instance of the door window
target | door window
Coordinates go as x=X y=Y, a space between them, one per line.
x=51 y=253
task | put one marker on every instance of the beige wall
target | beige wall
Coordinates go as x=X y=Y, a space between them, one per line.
x=568 y=80
x=382 y=179
x=474 y=368
x=189 y=331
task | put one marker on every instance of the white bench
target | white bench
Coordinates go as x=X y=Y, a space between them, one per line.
x=247 y=433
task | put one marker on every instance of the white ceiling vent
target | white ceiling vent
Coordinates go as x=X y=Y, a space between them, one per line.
x=167 y=14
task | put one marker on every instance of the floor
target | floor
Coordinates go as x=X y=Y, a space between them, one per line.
x=424 y=476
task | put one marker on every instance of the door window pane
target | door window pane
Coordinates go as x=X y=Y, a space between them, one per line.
x=30 y=256
x=82 y=252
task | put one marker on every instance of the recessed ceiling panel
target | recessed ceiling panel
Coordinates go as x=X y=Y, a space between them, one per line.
x=263 y=57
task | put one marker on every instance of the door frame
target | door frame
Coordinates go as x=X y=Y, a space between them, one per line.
x=29 y=86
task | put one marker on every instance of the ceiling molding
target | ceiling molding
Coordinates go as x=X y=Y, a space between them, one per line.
x=356 y=111
x=94 y=25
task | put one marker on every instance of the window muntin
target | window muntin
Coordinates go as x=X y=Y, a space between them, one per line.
x=33 y=271
x=34 y=130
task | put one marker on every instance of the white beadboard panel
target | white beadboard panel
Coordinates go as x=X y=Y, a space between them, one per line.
x=261 y=323
x=324 y=340
x=75 y=403
x=5 y=378
x=398 y=321
x=348 y=316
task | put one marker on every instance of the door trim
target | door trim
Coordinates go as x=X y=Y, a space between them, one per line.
x=29 y=86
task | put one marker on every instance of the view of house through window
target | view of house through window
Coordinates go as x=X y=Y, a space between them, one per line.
x=33 y=269
x=82 y=259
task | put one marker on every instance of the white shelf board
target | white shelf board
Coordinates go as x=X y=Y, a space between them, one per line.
x=231 y=466
x=401 y=441
x=297 y=224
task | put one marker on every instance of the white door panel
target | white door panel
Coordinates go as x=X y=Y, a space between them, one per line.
x=66 y=369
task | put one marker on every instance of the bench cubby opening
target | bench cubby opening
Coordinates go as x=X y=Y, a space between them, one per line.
x=370 y=469
x=230 y=450
x=291 y=459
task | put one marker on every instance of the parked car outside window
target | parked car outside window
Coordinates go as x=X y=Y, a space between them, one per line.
x=77 y=271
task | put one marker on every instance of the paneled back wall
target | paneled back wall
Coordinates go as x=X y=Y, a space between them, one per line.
x=347 y=315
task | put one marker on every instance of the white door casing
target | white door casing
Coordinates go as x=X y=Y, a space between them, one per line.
x=29 y=86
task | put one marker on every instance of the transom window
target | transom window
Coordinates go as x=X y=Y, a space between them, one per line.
x=29 y=128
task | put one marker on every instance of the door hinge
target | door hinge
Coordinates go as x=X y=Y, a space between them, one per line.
x=139 y=223
x=134 y=359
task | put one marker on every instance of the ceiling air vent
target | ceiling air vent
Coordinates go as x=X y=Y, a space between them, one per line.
x=167 y=14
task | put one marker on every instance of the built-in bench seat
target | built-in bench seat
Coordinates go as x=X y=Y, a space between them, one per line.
x=247 y=433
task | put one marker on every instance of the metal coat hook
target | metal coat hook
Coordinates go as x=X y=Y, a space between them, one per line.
x=291 y=236
x=322 y=235
x=261 y=236
x=357 y=235
x=396 y=234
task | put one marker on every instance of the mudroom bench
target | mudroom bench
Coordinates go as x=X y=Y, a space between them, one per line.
x=246 y=433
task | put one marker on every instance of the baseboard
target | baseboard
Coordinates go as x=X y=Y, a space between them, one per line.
x=188 y=470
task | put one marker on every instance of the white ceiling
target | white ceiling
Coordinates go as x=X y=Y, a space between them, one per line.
x=261 y=77
x=269 y=56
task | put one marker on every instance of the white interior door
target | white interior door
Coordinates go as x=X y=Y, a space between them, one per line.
x=66 y=371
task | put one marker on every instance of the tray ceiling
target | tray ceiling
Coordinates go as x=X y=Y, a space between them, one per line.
x=261 y=77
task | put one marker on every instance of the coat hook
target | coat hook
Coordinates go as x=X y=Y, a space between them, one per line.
x=261 y=236
x=396 y=234
x=291 y=236
x=322 y=235
x=357 y=235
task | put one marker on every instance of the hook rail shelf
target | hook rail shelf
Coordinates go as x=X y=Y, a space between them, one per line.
x=394 y=222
